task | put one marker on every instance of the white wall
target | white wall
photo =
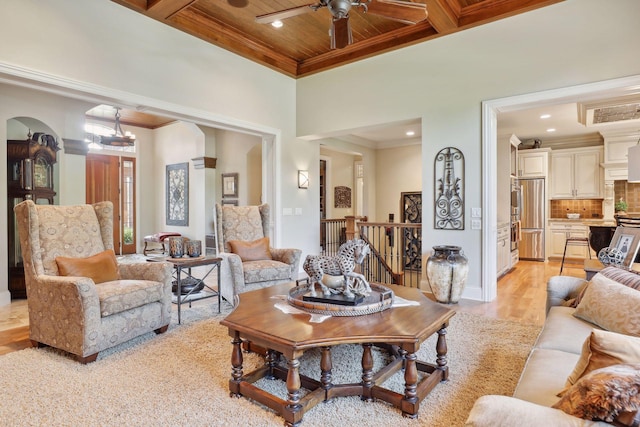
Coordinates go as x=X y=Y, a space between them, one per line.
x=445 y=80
x=173 y=144
x=236 y=154
x=399 y=170
x=148 y=64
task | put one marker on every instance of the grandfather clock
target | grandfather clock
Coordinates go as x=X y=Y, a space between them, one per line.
x=30 y=177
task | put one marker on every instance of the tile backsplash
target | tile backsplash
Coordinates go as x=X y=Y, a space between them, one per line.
x=630 y=193
x=587 y=208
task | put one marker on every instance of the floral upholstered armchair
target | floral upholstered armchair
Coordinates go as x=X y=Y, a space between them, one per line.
x=248 y=260
x=79 y=298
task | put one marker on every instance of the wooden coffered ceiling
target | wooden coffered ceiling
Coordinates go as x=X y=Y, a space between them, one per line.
x=302 y=46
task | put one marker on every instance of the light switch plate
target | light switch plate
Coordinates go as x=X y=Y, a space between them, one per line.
x=476 y=224
x=476 y=212
x=298 y=211
x=287 y=211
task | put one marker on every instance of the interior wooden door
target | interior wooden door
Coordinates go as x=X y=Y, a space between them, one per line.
x=103 y=183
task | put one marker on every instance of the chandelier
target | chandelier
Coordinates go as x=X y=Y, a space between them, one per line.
x=118 y=138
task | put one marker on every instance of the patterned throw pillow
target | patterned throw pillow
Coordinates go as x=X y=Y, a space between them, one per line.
x=101 y=267
x=602 y=349
x=610 y=394
x=251 y=251
x=611 y=306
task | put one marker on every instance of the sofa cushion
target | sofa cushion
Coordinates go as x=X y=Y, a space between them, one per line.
x=101 y=267
x=596 y=280
x=265 y=271
x=544 y=375
x=611 y=306
x=563 y=331
x=255 y=250
x=610 y=394
x=628 y=278
x=121 y=295
x=602 y=349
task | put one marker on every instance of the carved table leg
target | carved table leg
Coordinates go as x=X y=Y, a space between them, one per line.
x=325 y=370
x=367 y=372
x=293 y=390
x=441 y=351
x=236 y=363
x=410 y=382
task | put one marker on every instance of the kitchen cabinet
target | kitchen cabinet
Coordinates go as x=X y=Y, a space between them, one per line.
x=504 y=249
x=576 y=174
x=533 y=163
x=558 y=233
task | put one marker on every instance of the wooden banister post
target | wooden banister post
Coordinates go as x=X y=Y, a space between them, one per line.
x=351 y=227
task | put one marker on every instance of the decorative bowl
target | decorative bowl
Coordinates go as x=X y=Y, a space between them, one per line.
x=573 y=215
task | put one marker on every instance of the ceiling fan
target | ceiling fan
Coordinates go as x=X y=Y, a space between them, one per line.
x=398 y=10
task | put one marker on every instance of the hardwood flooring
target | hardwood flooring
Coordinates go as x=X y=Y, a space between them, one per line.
x=521 y=298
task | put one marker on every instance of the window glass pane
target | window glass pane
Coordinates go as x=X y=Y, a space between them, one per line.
x=128 y=220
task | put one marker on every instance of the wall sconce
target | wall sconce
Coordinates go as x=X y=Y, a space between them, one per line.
x=303 y=179
x=633 y=157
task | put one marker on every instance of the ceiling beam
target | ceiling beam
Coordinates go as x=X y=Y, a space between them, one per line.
x=216 y=32
x=442 y=18
x=166 y=9
x=366 y=48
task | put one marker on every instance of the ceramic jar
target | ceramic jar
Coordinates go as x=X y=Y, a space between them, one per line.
x=447 y=270
x=176 y=247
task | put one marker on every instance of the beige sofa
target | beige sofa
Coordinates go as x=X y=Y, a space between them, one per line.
x=553 y=358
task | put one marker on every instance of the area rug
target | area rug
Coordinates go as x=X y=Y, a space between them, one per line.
x=181 y=378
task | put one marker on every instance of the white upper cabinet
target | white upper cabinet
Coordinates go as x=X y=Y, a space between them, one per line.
x=576 y=173
x=533 y=163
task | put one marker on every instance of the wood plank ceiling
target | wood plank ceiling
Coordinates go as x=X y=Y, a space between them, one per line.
x=302 y=46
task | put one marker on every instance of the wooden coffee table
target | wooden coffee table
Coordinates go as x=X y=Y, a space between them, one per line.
x=401 y=329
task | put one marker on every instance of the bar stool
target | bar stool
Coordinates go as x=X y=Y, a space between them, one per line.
x=574 y=241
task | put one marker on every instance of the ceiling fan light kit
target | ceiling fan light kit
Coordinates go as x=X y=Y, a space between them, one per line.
x=340 y=31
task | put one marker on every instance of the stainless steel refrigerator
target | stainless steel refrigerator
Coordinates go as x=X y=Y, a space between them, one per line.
x=532 y=219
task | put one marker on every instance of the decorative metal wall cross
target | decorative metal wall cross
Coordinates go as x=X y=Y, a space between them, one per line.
x=449 y=189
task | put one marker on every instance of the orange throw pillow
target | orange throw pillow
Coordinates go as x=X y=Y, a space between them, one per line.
x=101 y=267
x=251 y=251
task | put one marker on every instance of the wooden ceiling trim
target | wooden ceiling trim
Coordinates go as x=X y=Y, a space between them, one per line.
x=137 y=5
x=213 y=31
x=484 y=12
x=146 y=122
x=373 y=46
x=166 y=9
x=441 y=16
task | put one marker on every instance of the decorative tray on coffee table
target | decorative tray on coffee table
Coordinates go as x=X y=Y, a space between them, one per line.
x=378 y=300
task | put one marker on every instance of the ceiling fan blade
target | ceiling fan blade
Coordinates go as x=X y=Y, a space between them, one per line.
x=398 y=10
x=340 y=33
x=238 y=3
x=284 y=14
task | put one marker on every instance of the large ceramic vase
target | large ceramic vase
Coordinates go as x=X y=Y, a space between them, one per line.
x=447 y=270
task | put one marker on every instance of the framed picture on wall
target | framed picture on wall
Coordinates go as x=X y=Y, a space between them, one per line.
x=229 y=202
x=229 y=185
x=177 y=198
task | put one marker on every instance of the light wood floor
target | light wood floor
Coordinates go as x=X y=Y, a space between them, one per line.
x=521 y=298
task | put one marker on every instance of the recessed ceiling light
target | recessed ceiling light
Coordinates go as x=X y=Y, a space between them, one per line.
x=551 y=130
x=277 y=24
x=410 y=133
x=545 y=116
